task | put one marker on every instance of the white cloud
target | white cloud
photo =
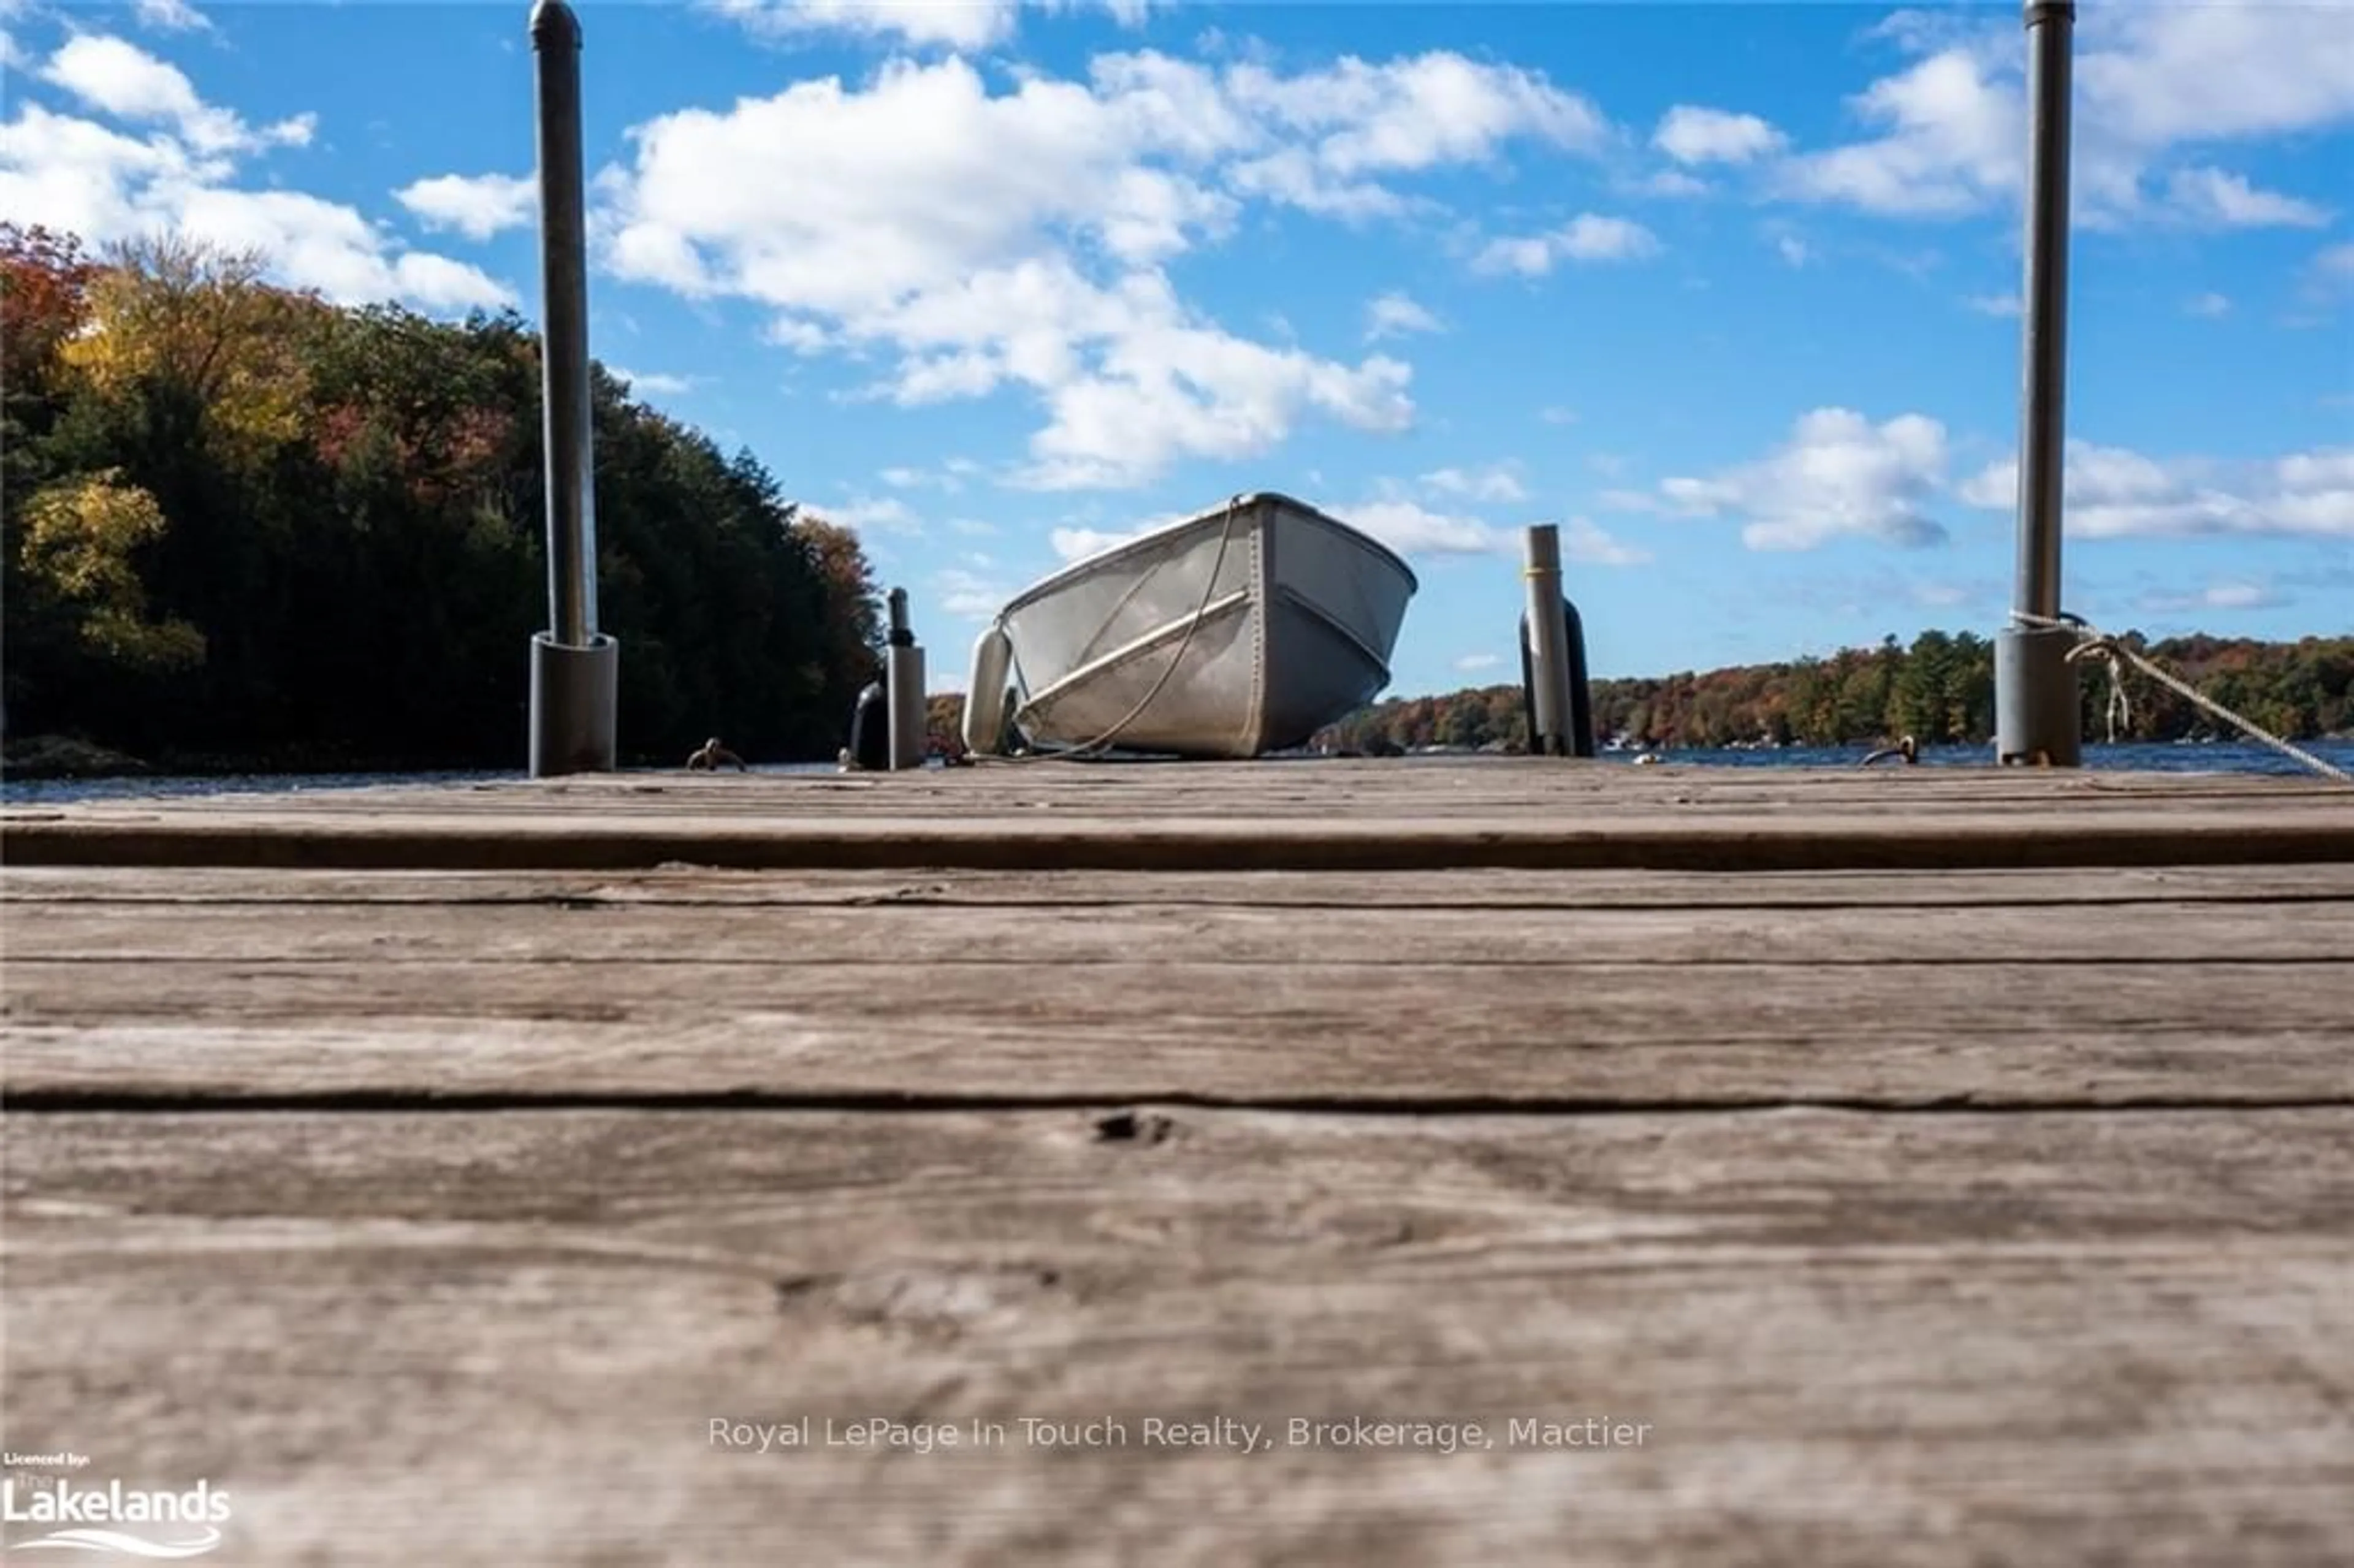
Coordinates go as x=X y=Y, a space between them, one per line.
x=1838 y=476
x=170 y=16
x=1696 y=135
x=1078 y=543
x=1169 y=388
x=1018 y=240
x=1588 y=237
x=1324 y=141
x=2209 y=305
x=1395 y=314
x=1497 y=481
x=1432 y=109
x=1673 y=182
x=2229 y=201
x=1792 y=249
x=2111 y=492
x=1556 y=415
x=124 y=80
x=966 y=25
x=2158 y=75
x=85 y=177
x=2225 y=595
x=968 y=595
x=2152 y=82
x=1994 y=304
x=1412 y=529
x=948 y=478
x=1584 y=542
x=952 y=24
x=1946 y=595
x=1471 y=664
x=802 y=337
x=1952 y=140
x=476 y=205
x=2331 y=272
x=654 y=383
x=869 y=514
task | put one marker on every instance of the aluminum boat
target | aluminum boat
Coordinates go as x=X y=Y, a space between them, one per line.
x=1232 y=634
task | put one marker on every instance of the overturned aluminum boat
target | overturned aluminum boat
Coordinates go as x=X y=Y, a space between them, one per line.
x=1239 y=632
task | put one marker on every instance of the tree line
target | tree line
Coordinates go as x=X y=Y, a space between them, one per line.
x=244 y=527
x=1938 y=690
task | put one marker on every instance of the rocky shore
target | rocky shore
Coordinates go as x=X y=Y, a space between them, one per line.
x=63 y=757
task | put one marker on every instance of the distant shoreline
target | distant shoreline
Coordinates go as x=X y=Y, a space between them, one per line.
x=23 y=790
x=54 y=759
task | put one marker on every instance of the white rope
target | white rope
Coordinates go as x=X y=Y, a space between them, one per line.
x=1103 y=742
x=2095 y=644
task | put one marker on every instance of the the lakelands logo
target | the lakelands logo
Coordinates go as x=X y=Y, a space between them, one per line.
x=114 y=1518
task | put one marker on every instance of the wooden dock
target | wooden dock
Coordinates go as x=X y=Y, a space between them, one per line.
x=1365 y=1163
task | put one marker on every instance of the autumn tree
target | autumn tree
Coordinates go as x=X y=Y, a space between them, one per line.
x=853 y=632
x=81 y=540
x=43 y=302
x=245 y=528
x=184 y=319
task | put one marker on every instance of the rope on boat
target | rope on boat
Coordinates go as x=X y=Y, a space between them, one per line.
x=1209 y=592
x=2092 y=644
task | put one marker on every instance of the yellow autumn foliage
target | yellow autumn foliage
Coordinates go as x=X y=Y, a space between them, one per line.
x=185 y=314
x=80 y=536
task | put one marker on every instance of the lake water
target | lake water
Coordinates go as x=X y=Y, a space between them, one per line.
x=2201 y=758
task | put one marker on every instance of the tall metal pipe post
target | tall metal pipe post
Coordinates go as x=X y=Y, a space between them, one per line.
x=1549 y=731
x=575 y=668
x=2037 y=713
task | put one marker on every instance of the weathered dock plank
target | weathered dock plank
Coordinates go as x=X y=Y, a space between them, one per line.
x=1316 y=816
x=1829 y=1338
x=899 y=933
x=1398 y=1034
x=1498 y=888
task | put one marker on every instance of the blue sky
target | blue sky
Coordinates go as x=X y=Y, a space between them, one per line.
x=1727 y=291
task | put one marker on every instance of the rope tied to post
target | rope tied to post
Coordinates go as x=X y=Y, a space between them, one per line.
x=2094 y=644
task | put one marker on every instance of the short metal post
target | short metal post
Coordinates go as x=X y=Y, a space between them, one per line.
x=1581 y=688
x=903 y=675
x=575 y=668
x=1581 y=685
x=2037 y=713
x=1548 y=645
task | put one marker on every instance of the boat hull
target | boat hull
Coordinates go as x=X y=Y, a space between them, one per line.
x=1237 y=633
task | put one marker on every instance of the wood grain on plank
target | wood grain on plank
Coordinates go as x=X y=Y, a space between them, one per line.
x=496 y=1339
x=1895 y=1034
x=898 y=938
x=26 y=892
